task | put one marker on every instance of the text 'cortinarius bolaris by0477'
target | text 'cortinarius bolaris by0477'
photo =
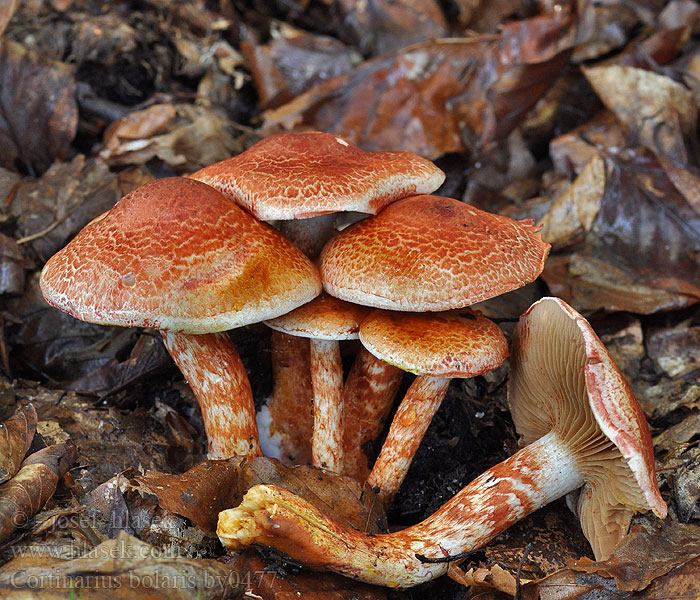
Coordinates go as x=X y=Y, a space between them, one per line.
x=193 y=258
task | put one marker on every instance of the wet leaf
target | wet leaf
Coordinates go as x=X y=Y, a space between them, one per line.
x=38 y=110
x=425 y=97
x=52 y=209
x=380 y=26
x=26 y=493
x=16 y=435
x=658 y=111
x=294 y=61
x=199 y=494
x=140 y=124
x=641 y=214
x=124 y=567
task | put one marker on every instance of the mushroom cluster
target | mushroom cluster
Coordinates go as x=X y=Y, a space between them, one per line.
x=192 y=257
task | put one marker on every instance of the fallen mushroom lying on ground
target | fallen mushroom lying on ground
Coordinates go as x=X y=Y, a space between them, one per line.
x=585 y=433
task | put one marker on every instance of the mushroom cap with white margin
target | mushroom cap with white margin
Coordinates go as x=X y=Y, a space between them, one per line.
x=324 y=318
x=562 y=379
x=450 y=344
x=300 y=175
x=428 y=253
x=177 y=255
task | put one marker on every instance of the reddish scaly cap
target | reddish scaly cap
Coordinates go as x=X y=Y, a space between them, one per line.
x=300 y=175
x=442 y=345
x=428 y=253
x=325 y=318
x=175 y=254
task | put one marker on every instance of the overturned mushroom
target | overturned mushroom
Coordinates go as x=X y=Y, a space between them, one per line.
x=596 y=439
x=178 y=256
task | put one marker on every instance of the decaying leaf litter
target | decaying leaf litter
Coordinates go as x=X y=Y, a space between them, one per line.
x=582 y=116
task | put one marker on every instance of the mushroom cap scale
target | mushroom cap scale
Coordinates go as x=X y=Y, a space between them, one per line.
x=176 y=255
x=428 y=253
x=305 y=174
x=451 y=344
x=324 y=318
x=562 y=379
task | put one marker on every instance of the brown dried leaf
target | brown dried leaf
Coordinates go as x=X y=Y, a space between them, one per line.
x=16 y=435
x=659 y=111
x=38 y=110
x=7 y=9
x=572 y=214
x=51 y=210
x=641 y=215
x=264 y=582
x=495 y=578
x=294 y=61
x=140 y=124
x=124 y=567
x=380 y=26
x=426 y=97
x=200 y=494
x=26 y=493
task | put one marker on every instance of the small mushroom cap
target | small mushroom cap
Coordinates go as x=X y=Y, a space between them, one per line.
x=176 y=255
x=301 y=175
x=428 y=253
x=462 y=344
x=324 y=318
x=562 y=379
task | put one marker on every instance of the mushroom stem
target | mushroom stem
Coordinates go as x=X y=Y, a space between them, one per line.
x=531 y=478
x=368 y=394
x=291 y=417
x=327 y=383
x=310 y=235
x=212 y=367
x=410 y=423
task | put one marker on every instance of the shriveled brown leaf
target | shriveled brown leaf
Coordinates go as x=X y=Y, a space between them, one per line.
x=641 y=215
x=270 y=584
x=294 y=61
x=380 y=26
x=495 y=577
x=52 y=209
x=140 y=124
x=427 y=97
x=659 y=111
x=26 y=493
x=124 y=567
x=572 y=214
x=199 y=494
x=38 y=110
x=148 y=356
x=197 y=137
x=16 y=435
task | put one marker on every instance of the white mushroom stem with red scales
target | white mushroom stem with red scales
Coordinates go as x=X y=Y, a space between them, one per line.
x=598 y=441
x=178 y=256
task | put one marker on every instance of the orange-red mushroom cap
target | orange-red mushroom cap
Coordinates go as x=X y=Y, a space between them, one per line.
x=300 y=175
x=176 y=255
x=462 y=344
x=428 y=253
x=324 y=318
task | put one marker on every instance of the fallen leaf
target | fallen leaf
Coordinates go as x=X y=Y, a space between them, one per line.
x=199 y=494
x=38 y=110
x=16 y=435
x=140 y=124
x=294 y=61
x=12 y=266
x=124 y=567
x=428 y=97
x=26 y=493
x=7 y=9
x=380 y=26
x=658 y=111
